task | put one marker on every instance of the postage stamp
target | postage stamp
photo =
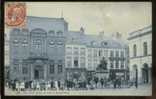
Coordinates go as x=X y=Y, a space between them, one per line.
x=78 y=48
x=15 y=14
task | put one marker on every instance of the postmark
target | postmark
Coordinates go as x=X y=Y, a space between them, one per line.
x=15 y=14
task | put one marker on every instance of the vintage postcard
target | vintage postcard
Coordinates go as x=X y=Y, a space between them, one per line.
x=78 y=48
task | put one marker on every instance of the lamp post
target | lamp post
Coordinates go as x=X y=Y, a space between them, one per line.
x=136 y=80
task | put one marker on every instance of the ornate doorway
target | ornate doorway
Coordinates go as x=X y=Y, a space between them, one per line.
x=38 y=72
x=145 y=73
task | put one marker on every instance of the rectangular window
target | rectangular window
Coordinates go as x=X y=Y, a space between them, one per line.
x=117 y=53
x=122 y=64
x=76 y=51
x=69 y=63
x=106 y=53
x=95 y=53
x=117 y=64
x=145 y=48
x=52 y=69
x=69 y=51
x=75 y=63
x=60 y=69
x=82 y=62
x=112 y=64
x=82 y=51
x=100 y=53
x=122 y=54
x=112 y=54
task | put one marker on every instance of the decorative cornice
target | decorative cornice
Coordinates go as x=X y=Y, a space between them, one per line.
x=139 y=35
x=140 y=56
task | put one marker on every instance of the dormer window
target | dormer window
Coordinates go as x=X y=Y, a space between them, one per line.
x=104 y=43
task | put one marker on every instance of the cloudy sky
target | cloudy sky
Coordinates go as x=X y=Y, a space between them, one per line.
x=109 y=17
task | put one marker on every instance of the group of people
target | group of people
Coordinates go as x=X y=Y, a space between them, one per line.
x=91 y=84
x=33 y=85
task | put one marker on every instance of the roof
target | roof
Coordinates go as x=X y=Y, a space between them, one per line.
x=140 y=32
x=76 y=37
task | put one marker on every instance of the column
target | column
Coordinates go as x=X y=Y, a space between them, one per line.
x=72 y=57
x=45 y=71
x=20 y=70
x=150 y=75
x=119 y=64
x=31 y=70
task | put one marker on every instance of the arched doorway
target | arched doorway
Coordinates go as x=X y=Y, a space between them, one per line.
x=135 y=75
x=145 y=73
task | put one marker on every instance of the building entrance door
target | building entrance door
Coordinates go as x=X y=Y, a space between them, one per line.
x=38 y=73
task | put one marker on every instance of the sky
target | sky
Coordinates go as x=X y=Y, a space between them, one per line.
x=110 y=17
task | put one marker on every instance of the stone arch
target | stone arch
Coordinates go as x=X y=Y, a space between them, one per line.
x=145 y=73
x=135 y=73
x=135 y=67
x=38 y=31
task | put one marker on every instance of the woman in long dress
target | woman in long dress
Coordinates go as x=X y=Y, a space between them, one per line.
x=37 y=85
x=56 y=85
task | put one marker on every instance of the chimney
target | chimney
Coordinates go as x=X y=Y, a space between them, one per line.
x=81 y=30
x=101 y=34
x=118 y=35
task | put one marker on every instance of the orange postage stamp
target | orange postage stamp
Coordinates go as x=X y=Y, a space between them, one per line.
x=15 y=14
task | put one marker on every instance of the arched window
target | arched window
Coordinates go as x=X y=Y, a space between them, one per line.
x=24 y=42
x=16 y=42
x=51 y=43
x=59 y=33
x=145 y=48
x=51 y=32
x=134 y=50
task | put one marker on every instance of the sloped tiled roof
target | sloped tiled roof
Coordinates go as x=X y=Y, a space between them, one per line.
x=76 y=37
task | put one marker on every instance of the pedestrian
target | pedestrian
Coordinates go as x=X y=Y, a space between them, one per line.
x=115 y=80
x=37 y=85
x=52 y=84
x=119 y=83
x=136 y=84
x=102 y=82
x=22 y=86
x=56 y=85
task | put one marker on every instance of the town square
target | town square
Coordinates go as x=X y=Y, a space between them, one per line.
x=45 y=56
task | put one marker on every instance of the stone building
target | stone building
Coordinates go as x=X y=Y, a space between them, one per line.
x=37 y=50
x=86 y=51
x=140 y=53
